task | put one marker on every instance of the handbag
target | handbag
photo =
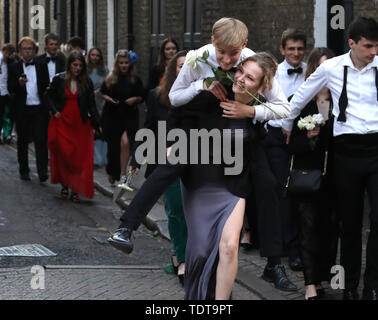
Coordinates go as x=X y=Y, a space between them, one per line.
x=302 y=181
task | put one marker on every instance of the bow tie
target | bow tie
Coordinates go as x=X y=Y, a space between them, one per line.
x=31 y=63
x=53 y=59
x=231 y=71
x=297 y=70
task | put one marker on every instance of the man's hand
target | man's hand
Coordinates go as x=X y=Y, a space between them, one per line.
x=217 y=89
x=22 y=80
x=237 y=110
x=287 y=135
x=57 y=115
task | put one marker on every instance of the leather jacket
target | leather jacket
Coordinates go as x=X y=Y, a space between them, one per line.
x=55 y=98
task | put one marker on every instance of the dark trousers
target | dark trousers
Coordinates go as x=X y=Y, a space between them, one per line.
x=152 y=189
x=31 y=125
x=353 y=175
x=4 y=101
x=279 y=160
x=265 y=198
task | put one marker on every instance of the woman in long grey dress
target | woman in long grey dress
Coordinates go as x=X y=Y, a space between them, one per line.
x=213 y=202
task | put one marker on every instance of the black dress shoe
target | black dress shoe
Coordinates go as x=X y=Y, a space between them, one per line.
x=278 y=276
x=43 y=179
x=121 y=240
x=370 y=294
x=350 y=295
x=25 y=177
x=296 y=264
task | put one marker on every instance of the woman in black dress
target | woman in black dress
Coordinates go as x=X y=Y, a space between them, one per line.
x=316 y=217
x=122 y=91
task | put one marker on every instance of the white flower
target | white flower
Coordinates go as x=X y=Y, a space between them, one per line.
x=318 y=119
x=301 y=123
x=191 y=58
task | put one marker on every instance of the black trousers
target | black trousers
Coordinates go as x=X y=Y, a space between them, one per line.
x=31 y=125
x=4 y=100
x=265 y=189
x=355 y=173
x=279 y=160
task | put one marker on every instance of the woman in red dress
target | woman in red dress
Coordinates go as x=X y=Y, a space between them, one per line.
x=72 y=104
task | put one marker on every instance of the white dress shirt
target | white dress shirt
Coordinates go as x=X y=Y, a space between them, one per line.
x=52 y=67
x=289 y=83
x=32 y=98
x=3 y=76
x=362 y=110
x=189 y=83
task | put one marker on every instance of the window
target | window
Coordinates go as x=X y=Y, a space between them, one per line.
x=193 y=19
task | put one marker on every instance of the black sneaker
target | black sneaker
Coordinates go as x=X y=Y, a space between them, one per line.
x=278 y=276
x=121 y=240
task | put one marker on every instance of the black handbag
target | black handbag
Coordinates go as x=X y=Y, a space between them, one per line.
x=302 y=181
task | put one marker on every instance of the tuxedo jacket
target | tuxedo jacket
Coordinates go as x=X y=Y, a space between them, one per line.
x=60 y=62
x=18 y=93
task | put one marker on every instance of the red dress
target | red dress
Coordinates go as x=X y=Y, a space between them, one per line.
x=71 y=145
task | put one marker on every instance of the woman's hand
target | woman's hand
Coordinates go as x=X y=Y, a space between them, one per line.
x=133 y=101
x=57 y=115
x=313 y=133
x=217 y=89
x=134 y=169
x=237 y=110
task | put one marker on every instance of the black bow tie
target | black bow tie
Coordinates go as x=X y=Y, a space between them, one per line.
x=31 y=63
x=297 y=70
x=53 y=59
x=231 y=71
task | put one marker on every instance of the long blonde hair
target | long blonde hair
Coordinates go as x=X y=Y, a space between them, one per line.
x=113 y=77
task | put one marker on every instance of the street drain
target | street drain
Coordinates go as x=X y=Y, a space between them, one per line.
x=26 y=250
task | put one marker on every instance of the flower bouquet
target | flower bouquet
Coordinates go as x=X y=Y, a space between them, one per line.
x=309 y=123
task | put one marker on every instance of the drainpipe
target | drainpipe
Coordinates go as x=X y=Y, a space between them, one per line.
x=130 y=24
x=58 y=13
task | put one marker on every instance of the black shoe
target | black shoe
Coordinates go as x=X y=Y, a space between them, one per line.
x=350 y=294
x=370 y=294
x=43 y=179
x=121 y=240
x=295 y=264
x=25 y=177
x=278 y=276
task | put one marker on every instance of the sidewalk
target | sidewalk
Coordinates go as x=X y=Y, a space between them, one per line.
x=251 y=265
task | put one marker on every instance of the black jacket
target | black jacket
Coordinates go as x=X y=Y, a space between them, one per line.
x=17 y=92
x=55 y=98
x=60 y=62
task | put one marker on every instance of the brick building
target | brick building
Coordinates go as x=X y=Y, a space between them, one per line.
x=141 y=25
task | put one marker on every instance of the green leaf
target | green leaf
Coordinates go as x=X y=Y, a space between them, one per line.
x=220 y=74
x=209 y=81
x=205 y=55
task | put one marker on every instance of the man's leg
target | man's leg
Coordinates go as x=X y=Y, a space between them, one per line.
x=349 y=176
x=269 y=218
x=152 y=189
x=23 y=138
x=39 y=128
x=371 y=272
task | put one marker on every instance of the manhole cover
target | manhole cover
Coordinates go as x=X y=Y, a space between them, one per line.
x=26 y=250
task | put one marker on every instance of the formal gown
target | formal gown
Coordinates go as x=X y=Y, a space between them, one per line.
x=70 y=142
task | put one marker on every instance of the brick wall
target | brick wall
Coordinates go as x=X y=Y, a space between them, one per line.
x=366 y=8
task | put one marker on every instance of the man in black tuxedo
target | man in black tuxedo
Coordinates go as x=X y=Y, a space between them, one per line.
x=55 y=60
x=27 y=82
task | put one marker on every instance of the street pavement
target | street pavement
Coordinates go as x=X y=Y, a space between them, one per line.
x=133 y=281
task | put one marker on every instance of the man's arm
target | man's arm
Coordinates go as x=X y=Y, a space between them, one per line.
x=276 y=101
x=316 y=82
x=186 y=86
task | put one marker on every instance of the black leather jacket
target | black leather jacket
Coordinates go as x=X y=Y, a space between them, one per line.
x=55 y=98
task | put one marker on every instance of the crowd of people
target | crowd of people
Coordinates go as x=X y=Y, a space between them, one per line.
x=295 y=118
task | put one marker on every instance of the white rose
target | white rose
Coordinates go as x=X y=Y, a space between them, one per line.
x=191 y=59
